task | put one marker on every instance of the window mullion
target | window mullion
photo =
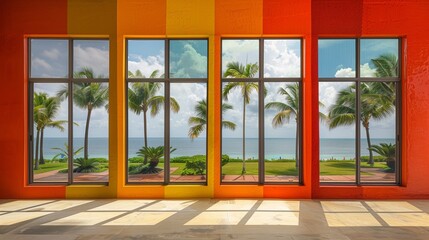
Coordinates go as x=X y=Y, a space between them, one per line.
x=167 y=114
x=261 y=161
x=70 y=111
x=358 y=112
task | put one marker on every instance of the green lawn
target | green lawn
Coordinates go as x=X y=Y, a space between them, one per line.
x=51 y=166
x=285 y=168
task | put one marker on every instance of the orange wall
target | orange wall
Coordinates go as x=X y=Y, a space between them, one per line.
x=307 y=19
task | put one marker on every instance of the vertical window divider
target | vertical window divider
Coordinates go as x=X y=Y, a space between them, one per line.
x=358 y=112
x=30 y=114
x=70 y=113
x=261 y=162
x=167 y=113
x=300 y=160
x=398 y=110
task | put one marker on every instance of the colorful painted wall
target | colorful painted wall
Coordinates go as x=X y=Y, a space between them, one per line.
x=213 y=19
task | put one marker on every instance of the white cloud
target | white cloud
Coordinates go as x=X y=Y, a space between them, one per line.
x=94 y=58
x=243 y=51
x=147 y=65
x=345 y=73
x=280 y=59
x=367 y=71
x=190 y=64
x=40 y=63
x=52 y=54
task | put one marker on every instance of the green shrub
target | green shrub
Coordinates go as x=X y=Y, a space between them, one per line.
x=85 y=165
x=194 y=166
x=136 y=160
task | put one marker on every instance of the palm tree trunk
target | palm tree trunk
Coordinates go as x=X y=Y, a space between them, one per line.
x=36 y=160
x=85 y=146
x=368 y=140
x=41 y=160
x=145 y=133
x=243 y=171
x=297 y=146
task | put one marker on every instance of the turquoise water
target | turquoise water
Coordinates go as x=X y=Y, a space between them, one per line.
x=275 y=148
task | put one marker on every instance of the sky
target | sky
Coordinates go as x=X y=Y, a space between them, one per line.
x=189 y=59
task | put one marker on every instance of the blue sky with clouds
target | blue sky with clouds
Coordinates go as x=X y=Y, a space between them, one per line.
x=189 y=59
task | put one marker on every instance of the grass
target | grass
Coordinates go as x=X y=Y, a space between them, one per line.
x=285 y=168
x=52 y=166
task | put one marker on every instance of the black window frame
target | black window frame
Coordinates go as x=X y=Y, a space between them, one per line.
x=357 y=80
x=261 y=80
x=70 y=81
x=166 y=80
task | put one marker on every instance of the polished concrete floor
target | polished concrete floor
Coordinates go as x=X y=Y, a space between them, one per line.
x=214 y=219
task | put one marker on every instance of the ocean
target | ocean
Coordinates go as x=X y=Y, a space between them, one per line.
x=275 y=148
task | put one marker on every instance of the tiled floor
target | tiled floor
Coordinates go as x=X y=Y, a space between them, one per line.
x=214 y=219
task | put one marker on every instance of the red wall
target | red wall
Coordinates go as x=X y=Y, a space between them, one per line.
x=407 y=19
x=19 y=17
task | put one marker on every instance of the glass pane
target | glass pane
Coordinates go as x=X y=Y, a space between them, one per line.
x=240 y=132
x=282 y=58
x=337 y=58
x=281 y=132
x=240 y=58
x=145 y=132
x=379 y=57
x=90 y=132
x=337 y=135
x=146 y=58
x=50 y=144
x=188 y=123
x=188 y=58
x=378 y=131
x=49 y=58
x=91 y=59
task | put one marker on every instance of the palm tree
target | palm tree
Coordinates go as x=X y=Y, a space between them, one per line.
x=236 y=70
x=64 y=152
x=388 y=151
x=199 y=121
x=142 y=98
x=288 y=109
x=87 y=96
x=45 y=109
x=386 y=66
x=374 y=105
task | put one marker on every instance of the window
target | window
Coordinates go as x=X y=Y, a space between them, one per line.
x=359 y=77
x=261 y=111
x=68 y=99
x=167 y=110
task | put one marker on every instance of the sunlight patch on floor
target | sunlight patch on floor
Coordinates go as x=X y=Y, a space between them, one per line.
x=274 y=218
x=84 y=219
x=351 y=220
x=233 y=205
x=18 y=217
x=343 y=206
x=22 y=204
x=141 y=219
x=59 y=205
x=217 y=218
x=406 y=219
x=394 y=206
x=169 y=205
x=122 y=205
